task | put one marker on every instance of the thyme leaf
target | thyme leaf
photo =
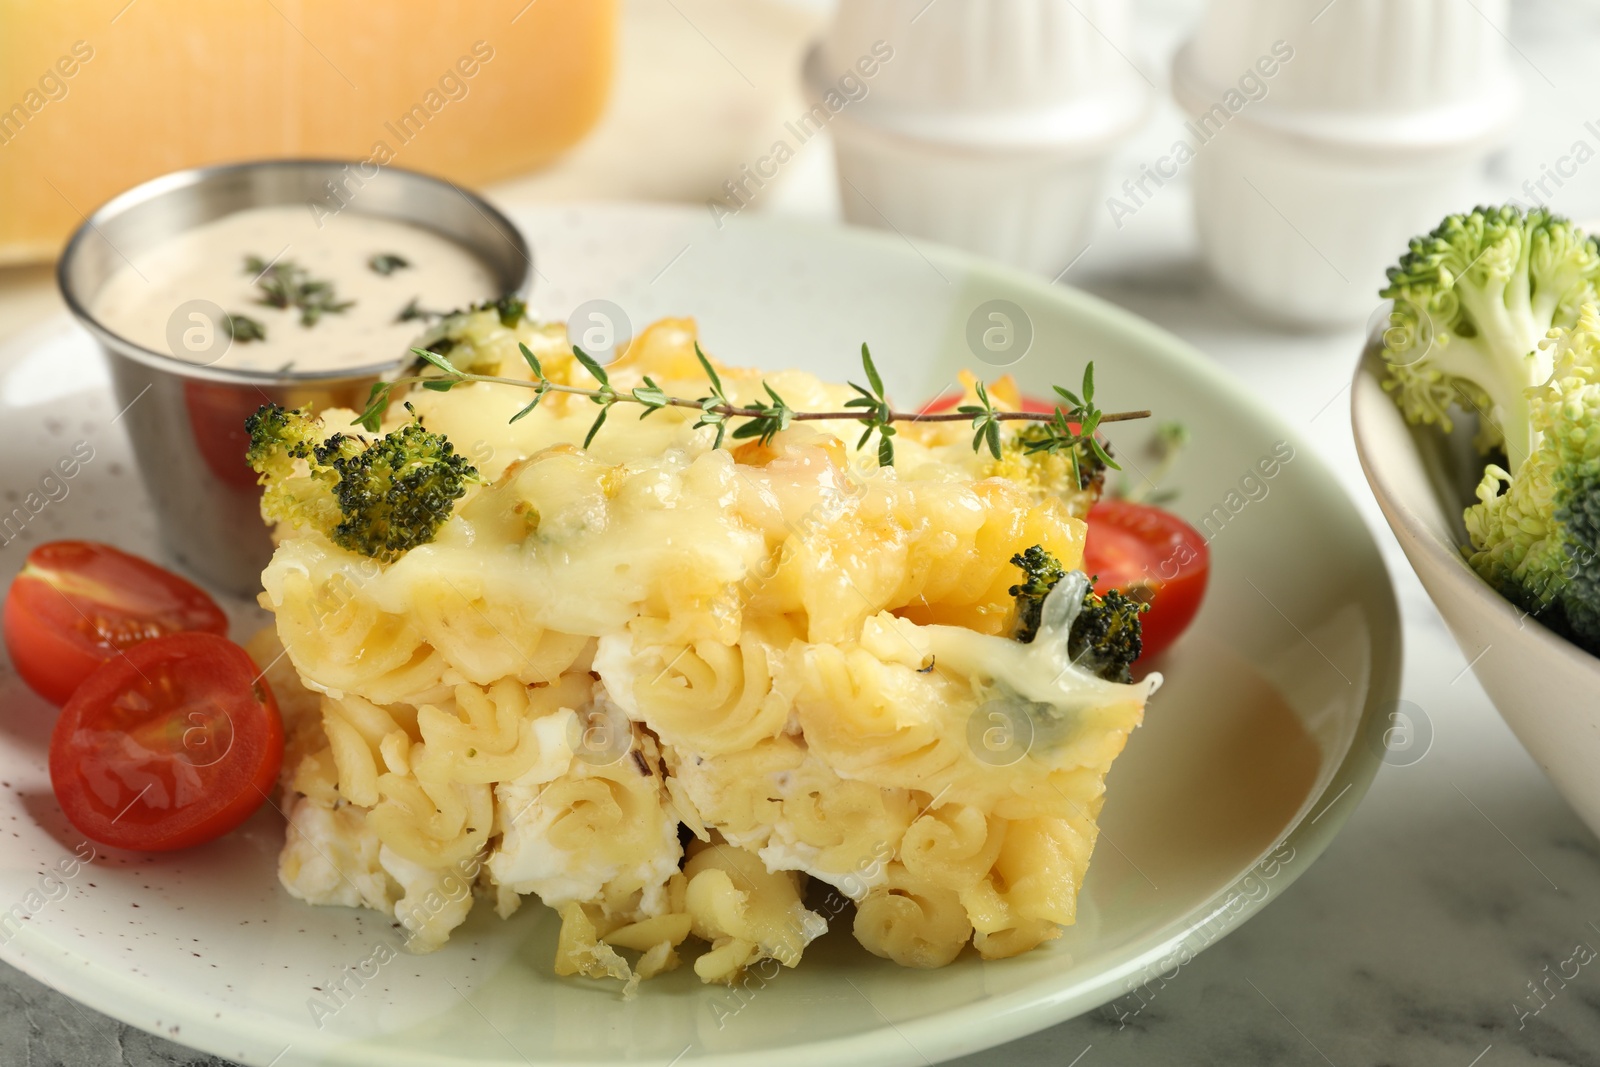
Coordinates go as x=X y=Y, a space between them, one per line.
x=244 y=329
x=386 y=263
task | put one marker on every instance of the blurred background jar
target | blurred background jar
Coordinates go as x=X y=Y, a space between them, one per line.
x=987 y=124
x=104 y=96
x=1326 y=134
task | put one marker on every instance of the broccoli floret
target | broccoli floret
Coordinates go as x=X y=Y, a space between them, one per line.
x=295 y=487
x=1041 y=571
x=1104 y=635
x=1473 y=299
x=379 y=498
x=278 y=438
x=1579 y=516
x=1535 y=534
x=1107 y=635
x=510 y=308
x=1051 y=473
x=475 y=337
x=1072 y=469
x=395 y=493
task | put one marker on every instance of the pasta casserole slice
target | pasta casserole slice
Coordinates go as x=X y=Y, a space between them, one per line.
x=676 y=686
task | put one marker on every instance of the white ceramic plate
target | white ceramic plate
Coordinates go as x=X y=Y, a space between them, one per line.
x=1250 y=758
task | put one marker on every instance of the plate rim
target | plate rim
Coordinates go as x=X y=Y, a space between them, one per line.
x=958 y=1031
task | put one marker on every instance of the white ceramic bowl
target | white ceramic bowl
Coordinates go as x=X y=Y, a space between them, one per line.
x=1546 y=688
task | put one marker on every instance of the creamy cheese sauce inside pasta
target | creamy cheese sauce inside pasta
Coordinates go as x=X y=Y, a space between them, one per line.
x=780 y=653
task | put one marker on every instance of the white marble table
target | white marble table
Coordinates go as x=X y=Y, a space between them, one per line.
x=1433 y=930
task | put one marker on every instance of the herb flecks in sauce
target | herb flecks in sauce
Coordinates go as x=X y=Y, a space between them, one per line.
x=286 y=284
x=244 y=329
x=412 y=312
x=386 y=263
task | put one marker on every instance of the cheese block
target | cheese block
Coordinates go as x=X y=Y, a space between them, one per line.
x=99 y=95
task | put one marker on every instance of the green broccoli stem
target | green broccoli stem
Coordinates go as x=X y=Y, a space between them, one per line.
x=735 y=412
x=1505 y=381
x=1505 y=358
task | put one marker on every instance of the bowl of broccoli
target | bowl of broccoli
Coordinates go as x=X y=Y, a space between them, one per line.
x=1477 y=420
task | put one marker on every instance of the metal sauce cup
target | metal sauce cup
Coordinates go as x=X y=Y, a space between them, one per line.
x=186 y=420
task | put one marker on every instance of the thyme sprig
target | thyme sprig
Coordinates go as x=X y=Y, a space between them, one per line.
x=1058 y=436
x=1070 y=429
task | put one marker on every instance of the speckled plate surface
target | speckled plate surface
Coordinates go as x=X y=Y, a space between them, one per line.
x=1251 y=756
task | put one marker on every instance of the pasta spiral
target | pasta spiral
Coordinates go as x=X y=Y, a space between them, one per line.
x=701 y=695
x=913 y=922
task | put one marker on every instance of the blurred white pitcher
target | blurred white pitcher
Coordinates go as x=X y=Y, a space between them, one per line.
x=985 y=124
x=1326 y=134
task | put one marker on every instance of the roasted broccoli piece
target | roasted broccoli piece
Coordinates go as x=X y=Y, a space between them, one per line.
x=474 y=337
x=1077 y=468
x=1104 y=635
x=1041 y=571
x=1473 y=299
x=395 y=493
x=510 y=308
x=379 y=498
x=296 y=488
x=1535 y=534
x=1107 y=635
x=1051 y=474
x=278 y=438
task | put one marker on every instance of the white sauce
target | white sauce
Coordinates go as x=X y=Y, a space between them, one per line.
x=142 y=300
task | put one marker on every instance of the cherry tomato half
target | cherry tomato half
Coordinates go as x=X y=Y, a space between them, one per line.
x=1136 y=547
x=169 y=745
x=77 y=604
